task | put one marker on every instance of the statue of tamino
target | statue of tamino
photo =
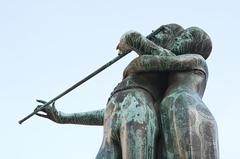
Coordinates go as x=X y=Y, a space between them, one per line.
x=156 y=111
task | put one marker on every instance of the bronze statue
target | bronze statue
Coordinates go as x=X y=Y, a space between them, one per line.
x=156 y=111
x=188 y=129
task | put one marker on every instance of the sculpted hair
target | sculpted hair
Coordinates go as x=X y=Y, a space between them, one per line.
x=176 y=29
x=202 y=43
x=168 y=34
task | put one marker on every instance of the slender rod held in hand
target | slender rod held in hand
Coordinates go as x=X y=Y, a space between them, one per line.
x=81 y=82
x=73 y=87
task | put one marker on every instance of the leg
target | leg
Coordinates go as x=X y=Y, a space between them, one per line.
x=174 y=121
x=186 y=134
x=208 y=132
x=110 y=148
x=139 y=127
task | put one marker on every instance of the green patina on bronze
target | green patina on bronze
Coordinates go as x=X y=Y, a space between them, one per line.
x=156 y=111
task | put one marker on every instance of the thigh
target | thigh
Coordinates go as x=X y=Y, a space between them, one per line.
x=139 y=126
x=188 y=128
x=207 y=130
x=176 y=126
x=111 y=148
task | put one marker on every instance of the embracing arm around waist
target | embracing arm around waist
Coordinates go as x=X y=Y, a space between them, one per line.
x=153 y=63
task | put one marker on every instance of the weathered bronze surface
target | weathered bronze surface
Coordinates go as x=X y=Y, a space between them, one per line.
x=156 y=111
x=45 y=104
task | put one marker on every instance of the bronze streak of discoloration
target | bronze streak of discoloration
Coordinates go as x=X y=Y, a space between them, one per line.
x=131 y=119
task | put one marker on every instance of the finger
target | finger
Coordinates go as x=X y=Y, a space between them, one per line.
x=41 y=115
x=41 y=101
x=117 y=47
x=37 y=108
x=53 y=105
x=43 y=109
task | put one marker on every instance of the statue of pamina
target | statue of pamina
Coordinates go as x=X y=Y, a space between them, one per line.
x=156 y=111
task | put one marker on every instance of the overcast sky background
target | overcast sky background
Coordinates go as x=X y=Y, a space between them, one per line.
x=48 y=45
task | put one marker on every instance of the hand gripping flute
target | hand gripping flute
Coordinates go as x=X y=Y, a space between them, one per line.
x=82 y=81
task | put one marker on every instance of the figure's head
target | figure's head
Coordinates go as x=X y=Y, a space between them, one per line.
x=165 y=37
x=193 y=40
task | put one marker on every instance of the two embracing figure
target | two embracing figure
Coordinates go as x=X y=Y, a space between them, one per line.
x=156 y=111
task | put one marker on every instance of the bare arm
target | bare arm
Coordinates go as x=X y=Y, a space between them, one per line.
x=133 y=40
x=84 y=118
x=151 y=63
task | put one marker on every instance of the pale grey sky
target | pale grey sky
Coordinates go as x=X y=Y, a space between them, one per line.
x=48 y=45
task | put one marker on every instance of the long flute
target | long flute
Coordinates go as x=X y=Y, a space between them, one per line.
x=82 y=81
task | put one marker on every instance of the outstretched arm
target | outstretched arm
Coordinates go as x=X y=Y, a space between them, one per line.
x=84 y=118
x=150 y=63
x=133 y=40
